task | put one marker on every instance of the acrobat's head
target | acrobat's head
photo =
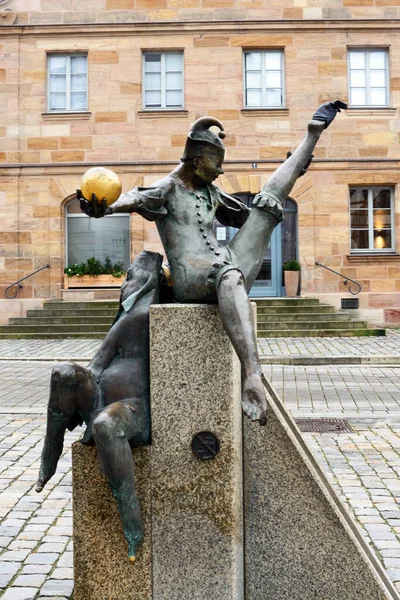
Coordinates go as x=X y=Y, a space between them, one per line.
x=204 y=149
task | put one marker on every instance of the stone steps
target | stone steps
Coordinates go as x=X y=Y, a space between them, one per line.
x=277 y=317
x=306 y=317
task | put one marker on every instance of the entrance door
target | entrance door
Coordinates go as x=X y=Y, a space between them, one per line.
x=281 y=248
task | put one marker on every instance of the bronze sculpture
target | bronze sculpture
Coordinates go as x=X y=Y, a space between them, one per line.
x=183 y=205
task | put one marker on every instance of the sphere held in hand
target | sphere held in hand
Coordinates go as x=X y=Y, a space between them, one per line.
x=102 y=182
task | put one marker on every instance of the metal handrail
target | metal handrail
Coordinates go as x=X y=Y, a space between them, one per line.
x=18 y=283
x=347 y=279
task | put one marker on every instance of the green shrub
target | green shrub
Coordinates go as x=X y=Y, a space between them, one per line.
x=95 y=267
x=291 y=265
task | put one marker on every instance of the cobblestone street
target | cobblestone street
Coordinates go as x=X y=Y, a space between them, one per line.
x=364 y=466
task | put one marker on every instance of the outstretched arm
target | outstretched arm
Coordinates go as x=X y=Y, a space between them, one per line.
x=148 y=202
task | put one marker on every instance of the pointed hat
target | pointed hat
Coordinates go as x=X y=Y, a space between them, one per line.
x=203 y=142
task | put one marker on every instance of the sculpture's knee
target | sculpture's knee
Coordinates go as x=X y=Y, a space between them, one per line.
x=64 y=371
x=231 y=279
x=106 y=428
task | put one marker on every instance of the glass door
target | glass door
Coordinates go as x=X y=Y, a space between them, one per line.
x=269 y=280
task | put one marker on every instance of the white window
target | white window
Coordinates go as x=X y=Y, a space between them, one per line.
x=369 y=77
x=372 y=219
x=263 y=85
x=67 y=82
x=163 y=80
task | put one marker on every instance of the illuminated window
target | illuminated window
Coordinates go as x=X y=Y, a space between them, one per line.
x=371 y=219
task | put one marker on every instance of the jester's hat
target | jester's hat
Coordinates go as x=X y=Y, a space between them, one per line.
x=203 y=142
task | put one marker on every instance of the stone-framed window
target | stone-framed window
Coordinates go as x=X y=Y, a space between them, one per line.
x=67 y=82
x=372 y=219
x=368 y=77
x=163 y=80
x=264 y=78
x=98 y=238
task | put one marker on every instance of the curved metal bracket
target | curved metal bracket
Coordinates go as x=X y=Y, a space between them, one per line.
x=353 y=291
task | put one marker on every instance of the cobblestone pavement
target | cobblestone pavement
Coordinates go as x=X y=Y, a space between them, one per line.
x=387 y=346
x=364 y=466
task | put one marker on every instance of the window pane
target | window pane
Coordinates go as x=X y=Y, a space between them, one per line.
x=274 y=98
x=383 y=239
x=359 y=198
x=378 y=78
x=58 y=64
x=357 y=78
x=378 y=96
x=174 y=98
x=253 y=97
x=358 y=96
x=273 y=60
x=78 y=65
x=78 y=83
x=153 y=81
x=78 y=101
x=381 y=198
x=273 y=79
x=359 y=218
x=57 y=83
x=359 y=239
x=382 y=218
x=253 y=79
x=377 y=60
x=253 y=61
x=74 y=208
x=99 y=238
x=357 y=60
x=173 y=62
x=58 y=102
x=174 y=81
x=153 y=99
x=152 y=63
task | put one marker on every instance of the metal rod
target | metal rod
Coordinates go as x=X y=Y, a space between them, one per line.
x=347 y=279
x=17 y=283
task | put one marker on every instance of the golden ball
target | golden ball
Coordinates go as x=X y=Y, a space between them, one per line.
x=102 y=182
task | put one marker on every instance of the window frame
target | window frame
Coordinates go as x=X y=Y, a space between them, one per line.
x=367 y=52
x=68 y=56
x=264 y=51
x=163 y=106
x=68 y=215
x=371 y=249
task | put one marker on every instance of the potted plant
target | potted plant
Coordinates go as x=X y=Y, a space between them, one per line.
x=292 y=274
x=94 y=273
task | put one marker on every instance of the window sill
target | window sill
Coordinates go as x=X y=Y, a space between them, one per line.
x=373 y=257
x=366 y=111
x=266 y=112
x=160 y=113
x=66 y=115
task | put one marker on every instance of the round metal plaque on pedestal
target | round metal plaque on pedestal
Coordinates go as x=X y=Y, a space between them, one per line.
x=205 y=445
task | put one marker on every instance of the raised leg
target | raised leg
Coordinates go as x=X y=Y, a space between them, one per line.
x=249 y=244
x=237 y=319
x=112 y=430
x=73 y=395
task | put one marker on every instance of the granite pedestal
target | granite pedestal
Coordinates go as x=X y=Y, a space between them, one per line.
x=300 y=543
x=192 y=508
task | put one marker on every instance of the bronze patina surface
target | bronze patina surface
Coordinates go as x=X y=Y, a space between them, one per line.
x=111 y=395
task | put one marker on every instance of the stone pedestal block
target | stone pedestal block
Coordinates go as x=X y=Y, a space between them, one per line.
x=196 y=504
x=300 y=541
x=101 y=567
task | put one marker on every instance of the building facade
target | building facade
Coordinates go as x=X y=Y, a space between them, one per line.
x=119 y=82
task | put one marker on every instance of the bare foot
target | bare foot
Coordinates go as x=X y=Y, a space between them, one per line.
x=254 y=400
